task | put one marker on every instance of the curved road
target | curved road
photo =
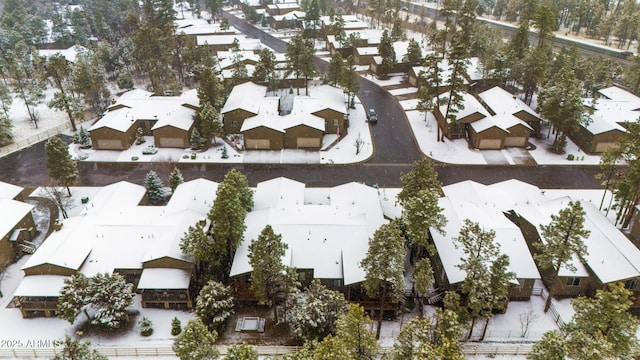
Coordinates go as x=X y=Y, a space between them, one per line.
x=394 y=144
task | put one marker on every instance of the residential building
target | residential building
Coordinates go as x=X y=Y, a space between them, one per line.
x=17 y=226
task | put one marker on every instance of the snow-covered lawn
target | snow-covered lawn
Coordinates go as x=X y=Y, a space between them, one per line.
x=403 y=91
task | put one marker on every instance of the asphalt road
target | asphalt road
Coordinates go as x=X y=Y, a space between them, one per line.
x=394 y=144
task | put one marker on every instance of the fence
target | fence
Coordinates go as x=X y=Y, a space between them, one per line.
x=23 y=143
x=554 y=312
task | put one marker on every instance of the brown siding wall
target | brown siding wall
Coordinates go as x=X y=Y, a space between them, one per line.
x=519 y=131
x=588 y=142
x=276 y=138
x=523 y=292
x=490 y=133
x=48 y=269
x=330 y=117
x=106 y=133
x=232 y=120
x=7 y=255
x=171 y=132
x=167 y=262
x=301 y=131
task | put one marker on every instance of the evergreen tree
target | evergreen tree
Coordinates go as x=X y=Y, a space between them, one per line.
x=384 y=267
x=420 y=214
x=154 y=186
x=338 y=30
x=109 y=295
x=210 y=125
x=197 y=244
x=64 y=99
x=415 y=341
x=486 y=288
x=214 y=305
x=430 y=89
x=387 y=53
x=552 y=346
x=88 y=78
x=125 y=81
x=562 y=241
x=397 y=32
x=196 y=342
x=414 y=52
x=423 y=280
x=354 y=334
x=210 y=90
x=6 y=127
x=176 y=326
x=266 y=66
x=83 y=138
x=62 y=168
x=73 y=349
x=422 y=176
x=265 y=258
x=336 y=69
x=227 y=223
x=294 y=55
x=195 y=140
x=314 y=313
x=241 y=352
x=458 y=76
x=239 y=181
x=560 y=102
x=146 y=326
x=175 y=179
x=350 y=81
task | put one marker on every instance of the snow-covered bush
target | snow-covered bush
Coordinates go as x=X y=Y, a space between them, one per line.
x=214 y=305
x=146 y=327
x=176 y=326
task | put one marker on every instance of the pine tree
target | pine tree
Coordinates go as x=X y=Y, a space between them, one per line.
x=314 y=313
x=414 y=341
x=176 y=326
x=227 y=223
x=423 y=280
x=64 y=99
x=241 y=352
x=486 y=288
x=154 y=186
x=210 y=91
x=353 y=332
x=560 y=102
x=397 y=32
x=175 y=179
x=197 y=244
x=73 y=297
x=414 y=52
x=266 y=66
x=239 y=181
x=562 y=241
x=265 y=257
x=214 y=305
x=422 y=176
x=62 y=168
x=420 y=214
x=146 y=326
x=336 y=69
x=350 y=81
x=110 y=298
x=140 y=136
x=73 y=349
x=196 y=342
x=384 y=267
x=6 y=130
x=552 y=346
x=210 y=125
x=388 y=55
x=195 y=140
x=83 y=138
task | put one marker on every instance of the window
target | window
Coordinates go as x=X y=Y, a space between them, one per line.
x=631 y=284
x=335 y=122
x=573 y=281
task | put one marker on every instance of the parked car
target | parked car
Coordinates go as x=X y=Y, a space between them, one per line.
x=372 y=116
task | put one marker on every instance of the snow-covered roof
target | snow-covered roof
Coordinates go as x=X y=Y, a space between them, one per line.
x=244 y=42
x=614 y=111
x=470 y=105
x=350 y=22
x=369 y=50
x=70 y=54
x=293 y=15
x=203 y=29
x=474 y=70
x=114 y=232
x=601 y=123
x=140 y=105
x=502 y=121
x=282 y=123
x=465 y=200
x=315 y=232
x=164 y=279
x=501 y=102
x=247 y=96
x=9 y=191
x=11 y=212
x=618 y=94
x=40 y=286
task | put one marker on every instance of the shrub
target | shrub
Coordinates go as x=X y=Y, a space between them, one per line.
x=134 y=158
x=146 y=327
x=176 y=326
x=570 y=157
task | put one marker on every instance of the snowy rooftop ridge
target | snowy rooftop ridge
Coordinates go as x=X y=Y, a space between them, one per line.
x=315 y=233
x=11 y=212
x=501 y=102
x=9 y=191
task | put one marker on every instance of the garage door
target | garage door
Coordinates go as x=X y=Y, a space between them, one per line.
x=602 y=146
x=309 y=142
x=110 y=144
x=489 y=144
x=172 y=142
x=257 y=144
x=515 y=141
